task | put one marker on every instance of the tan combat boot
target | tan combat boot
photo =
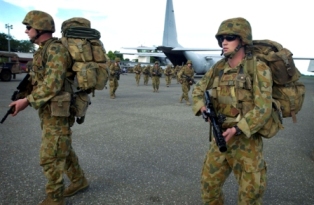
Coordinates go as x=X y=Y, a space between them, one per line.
x=75 y=187
x=51 y=201
x=188 y=103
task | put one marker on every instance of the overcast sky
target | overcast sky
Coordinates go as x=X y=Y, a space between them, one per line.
x=130 y=23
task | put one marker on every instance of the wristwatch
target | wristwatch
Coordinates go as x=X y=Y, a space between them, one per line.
x=238 y=131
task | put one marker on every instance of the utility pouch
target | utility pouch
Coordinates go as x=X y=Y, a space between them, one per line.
x=82 y=101
x=60 y=105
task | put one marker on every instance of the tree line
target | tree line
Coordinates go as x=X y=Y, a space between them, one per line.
x=25 y=46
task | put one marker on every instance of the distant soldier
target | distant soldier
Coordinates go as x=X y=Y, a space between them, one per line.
x=186 y=75
x=114 y=77
x=177 y=70
x=168 y=75
x=156 y=74
x=146 y=73
x=137 y=70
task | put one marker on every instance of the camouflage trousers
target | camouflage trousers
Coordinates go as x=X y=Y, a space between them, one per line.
x=113 y=84
x=185 y=90
x=146 y=78
x=168 y=79
x=137 y=78
x=245 y=159
x=56 y=153
x=155 y=82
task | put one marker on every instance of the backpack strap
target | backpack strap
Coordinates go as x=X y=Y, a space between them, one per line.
x=67 y=83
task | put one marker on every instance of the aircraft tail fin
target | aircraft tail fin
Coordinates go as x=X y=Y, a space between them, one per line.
x=311 y=66
x=170 y=30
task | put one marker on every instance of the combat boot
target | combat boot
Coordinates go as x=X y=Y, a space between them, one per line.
x=75 y=187
x=188 y=103
x=52 y=201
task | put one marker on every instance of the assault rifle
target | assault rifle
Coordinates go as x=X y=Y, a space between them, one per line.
x=117 y=74
x=22 y=87
x=189 y=79
x=156 y=74
x=216 y=122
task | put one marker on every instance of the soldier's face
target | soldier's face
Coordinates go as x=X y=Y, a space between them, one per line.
x=229 y=43
x=31 y=32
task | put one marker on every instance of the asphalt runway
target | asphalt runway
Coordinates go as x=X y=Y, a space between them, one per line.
x=146 y=148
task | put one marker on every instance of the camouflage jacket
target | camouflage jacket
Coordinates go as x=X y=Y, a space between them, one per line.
x=186 y=71
x=155 y=71
x=48 y=77
x=137 y=69
x=113 y=70
x=244 y=98
x=168 y=71
x=146 y=70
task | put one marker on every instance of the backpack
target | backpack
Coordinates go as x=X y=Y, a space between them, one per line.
x=87 y=53
x=286 y=87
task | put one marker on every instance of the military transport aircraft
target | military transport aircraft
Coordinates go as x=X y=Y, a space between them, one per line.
x=172 y=51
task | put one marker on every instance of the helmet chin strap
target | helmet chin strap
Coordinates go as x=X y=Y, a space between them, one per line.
x=37 y=35
x=231 y=54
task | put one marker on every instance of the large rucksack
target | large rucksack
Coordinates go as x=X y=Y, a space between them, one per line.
x=87 y=52
x=88 y=62
x=286 y=87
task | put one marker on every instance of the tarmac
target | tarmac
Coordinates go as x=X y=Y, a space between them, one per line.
x=146 y=148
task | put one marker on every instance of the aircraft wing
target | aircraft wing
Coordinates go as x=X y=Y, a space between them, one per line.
x=146 y=54
x=195 y=49
x=140 y=48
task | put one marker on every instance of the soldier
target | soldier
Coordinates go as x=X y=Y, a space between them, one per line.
x=186 y=76
x=246 y=101
x=168 y=75
x=177 y=70
x=137 y=70
x=146 y=73
x=51 y=64
x=156 y=74
x=115 y=72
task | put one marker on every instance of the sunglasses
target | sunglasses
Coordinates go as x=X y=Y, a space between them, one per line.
x=227 y=37
x=28 y=28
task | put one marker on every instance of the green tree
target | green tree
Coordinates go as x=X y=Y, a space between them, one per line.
x=15 y=45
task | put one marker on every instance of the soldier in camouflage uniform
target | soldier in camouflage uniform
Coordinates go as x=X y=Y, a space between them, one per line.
x=115 y=71
x=246 y=101
x=146 y=74
x=168 y=75
x=186 y=72
x=177 y=70
x=137 y=70
x=156 y=74
x=50 y=67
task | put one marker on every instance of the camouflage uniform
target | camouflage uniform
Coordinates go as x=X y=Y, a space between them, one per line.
x=51 y=64
x=156 y=73
x=177 y=70
x=168 y=75
x=245 y=100
x=186 y=86
x=137 y=70
x=113 y=78
x=146 y=74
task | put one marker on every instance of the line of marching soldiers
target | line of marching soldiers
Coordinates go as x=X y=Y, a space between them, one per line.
x=183 y=74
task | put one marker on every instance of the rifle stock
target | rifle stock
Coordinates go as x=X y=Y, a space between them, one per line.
x=216 y=122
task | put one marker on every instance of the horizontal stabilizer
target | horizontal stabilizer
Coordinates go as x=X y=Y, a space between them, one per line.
x=196 y=49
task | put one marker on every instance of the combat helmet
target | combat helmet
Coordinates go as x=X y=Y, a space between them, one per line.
x=117 y=59
x=156 y=62
x=189 y=62
x=236 y=26
x=39 y=20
